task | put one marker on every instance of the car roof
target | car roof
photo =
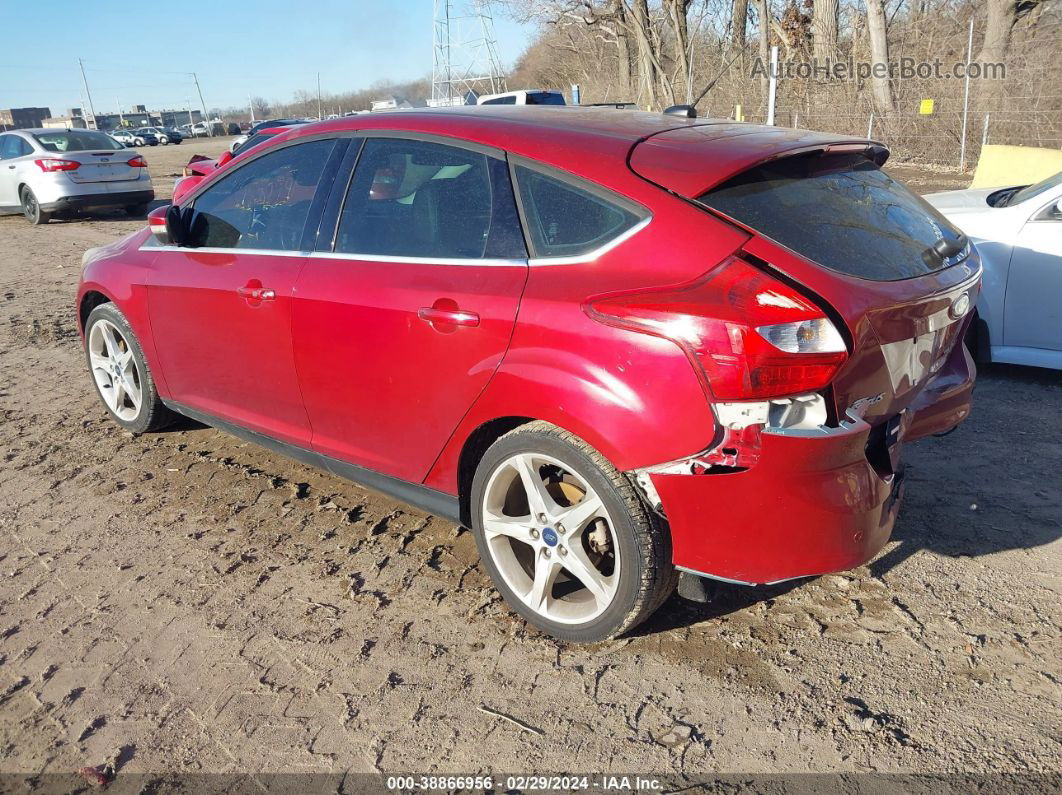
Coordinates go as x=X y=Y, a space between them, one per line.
x=589 y=141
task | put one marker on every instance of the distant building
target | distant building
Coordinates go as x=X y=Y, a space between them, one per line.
x=175 y=118
x=64 y=122
x=22 y=118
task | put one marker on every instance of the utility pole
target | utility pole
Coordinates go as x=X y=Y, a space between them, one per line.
x=250 y=105
x=121 y=118
x=206 y=120
x=88 y=94
x=319 y=116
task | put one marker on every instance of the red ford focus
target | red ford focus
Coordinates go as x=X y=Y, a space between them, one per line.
x=617 y=345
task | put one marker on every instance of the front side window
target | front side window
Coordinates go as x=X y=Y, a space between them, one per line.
x=264 y=204
x=424 y=199
x=76 y=141
x=567 y=220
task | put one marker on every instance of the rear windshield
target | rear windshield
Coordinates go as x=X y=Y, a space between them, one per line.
x=841 y=211
x=76 y=141
x=544 y=98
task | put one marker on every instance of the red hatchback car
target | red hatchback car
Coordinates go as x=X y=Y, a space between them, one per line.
x=615 y=344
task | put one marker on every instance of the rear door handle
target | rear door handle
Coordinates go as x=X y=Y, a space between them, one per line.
x=456 y=317
x=256 y=293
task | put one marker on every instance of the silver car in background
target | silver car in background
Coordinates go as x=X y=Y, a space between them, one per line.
x=47 y=172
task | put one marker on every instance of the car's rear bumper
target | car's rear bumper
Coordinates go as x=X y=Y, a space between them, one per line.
x=99 y=200
x=810 y=505
x=815 y=501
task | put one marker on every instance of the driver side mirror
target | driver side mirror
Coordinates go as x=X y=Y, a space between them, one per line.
x=1058 y=209
x=170 y=225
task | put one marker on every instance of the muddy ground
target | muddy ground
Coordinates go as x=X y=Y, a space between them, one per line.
x=201 y=604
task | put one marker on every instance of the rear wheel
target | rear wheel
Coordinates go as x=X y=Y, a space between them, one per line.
x=136 y=210
x=31 y=208
x=120 y=372
x=565 y=537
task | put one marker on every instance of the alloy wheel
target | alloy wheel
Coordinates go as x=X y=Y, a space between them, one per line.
x=551 y=538
x=115 y=370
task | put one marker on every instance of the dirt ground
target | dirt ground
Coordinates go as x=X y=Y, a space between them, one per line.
x=199 y=604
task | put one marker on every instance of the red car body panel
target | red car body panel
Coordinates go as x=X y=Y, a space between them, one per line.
x=341 y=363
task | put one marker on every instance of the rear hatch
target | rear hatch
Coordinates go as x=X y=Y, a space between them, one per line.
x=824 y=215
x=103 y=166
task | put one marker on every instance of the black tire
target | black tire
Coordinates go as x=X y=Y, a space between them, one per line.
x=31 y=208
x=153 y=414
x=137 y=210
x=646 y=577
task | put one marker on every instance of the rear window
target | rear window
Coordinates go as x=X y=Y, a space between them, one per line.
x=841 y=211
x=76 y=141
x=544 y=98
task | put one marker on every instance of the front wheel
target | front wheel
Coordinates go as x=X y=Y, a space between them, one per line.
x=136 y=210
x=120 y=372
x=565 y=537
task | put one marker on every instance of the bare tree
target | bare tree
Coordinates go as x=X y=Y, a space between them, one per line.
x=739 y=20
x=824 y=29
x=1002 y=16
x=879 y=56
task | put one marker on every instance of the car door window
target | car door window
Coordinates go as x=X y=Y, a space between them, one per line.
x=567 y=218
x=430 y=200
x=264 y=204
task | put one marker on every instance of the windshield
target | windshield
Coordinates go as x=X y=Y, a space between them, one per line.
x=1032 y=191
x=840 y=211
x=76 y=141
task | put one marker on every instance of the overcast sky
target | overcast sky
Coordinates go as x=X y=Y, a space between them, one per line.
x=141 y=53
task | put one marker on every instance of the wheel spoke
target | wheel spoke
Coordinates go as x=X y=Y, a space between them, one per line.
x=99 y=361
x=538 y=500
x=580 y=567
x=575 y=518
x=546 y=571
x=495 y=524
x=116 y=394
x=131 y=389
x=112 y=344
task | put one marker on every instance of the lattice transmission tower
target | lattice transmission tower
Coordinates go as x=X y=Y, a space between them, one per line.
x=464 y=52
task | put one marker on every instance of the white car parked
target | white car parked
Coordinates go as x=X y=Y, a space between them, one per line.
x=45 y=172
x=1018 y=232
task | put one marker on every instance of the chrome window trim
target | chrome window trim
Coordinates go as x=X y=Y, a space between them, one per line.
x=465 y=261
x=272 y=252
x=590 y=256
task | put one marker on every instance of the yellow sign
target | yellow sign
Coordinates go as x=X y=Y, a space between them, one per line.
x=925 y=108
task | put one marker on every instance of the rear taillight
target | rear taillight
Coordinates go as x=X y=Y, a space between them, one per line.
x=751 y=336
x=50 y=164
x=136 y=162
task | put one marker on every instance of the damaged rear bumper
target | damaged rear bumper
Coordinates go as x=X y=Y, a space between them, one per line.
x=812 y=504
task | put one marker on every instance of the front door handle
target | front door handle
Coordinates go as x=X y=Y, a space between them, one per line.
x=256 y=293
x=455 y=317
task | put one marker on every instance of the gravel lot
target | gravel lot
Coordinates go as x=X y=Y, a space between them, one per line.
x=195 y=603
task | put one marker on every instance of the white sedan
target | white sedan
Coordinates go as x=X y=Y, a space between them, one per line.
x=1018 y=232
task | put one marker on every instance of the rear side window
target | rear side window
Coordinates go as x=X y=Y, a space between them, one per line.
x=841 y=211
x=264 y=204
x=509 y=100
x=567 y=217
x=423 y=199
x=76 y=141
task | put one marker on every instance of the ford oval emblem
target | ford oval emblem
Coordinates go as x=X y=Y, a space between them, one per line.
x=960 y=306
